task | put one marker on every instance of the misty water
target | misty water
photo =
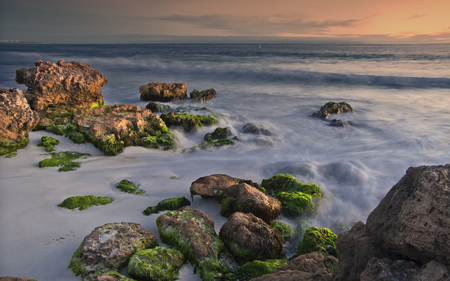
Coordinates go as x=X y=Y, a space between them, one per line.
x=399 y=93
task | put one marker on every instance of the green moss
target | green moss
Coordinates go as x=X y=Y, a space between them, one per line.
x=287 y=183
x=173 y=203
x=155 y=264
x=256 y=268
x=129 y=187
x=60 y=130
x=117 y=276
x=320 y=240
x=229 y=205
x=64 y=160
x=49 y=143
x=187 y=121
x=214 y=144
x=287 y=231
x=9 y=147
x=76 y=137
x=296 y=204
x=83 y=202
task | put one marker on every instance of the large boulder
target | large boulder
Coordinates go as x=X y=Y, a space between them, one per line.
x=61 y=83
x=16 y=120
x=413 y=219
x=156 y=91
x=333 y=108
x=389 y=270
x=249 y=238
x=192 y=233
x=109 y=247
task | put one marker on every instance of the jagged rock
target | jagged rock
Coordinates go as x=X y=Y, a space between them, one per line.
x=249 y=238
x=248 y=199
x=333 y=108
x=413 y=219
x=354 y=249
x=192 y=233
x=156 y=91
x=434 y=271
x=158 y=107
x=16 y=120
x=309 y=267
x=109 y=247
x=61 y=83
x=251 y=128
x=203 y=96
x=388 y=270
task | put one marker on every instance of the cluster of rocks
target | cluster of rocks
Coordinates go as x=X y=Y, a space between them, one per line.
x=164 y=92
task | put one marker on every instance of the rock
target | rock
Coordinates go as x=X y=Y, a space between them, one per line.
x=434 y=271
x=170 y=204
x=337 y=123
x=256 y=130
x=157 y=264
x=156 y=91
x=16 y=120
x=354 y=249
x=203 y=96
x=61 y=83
x=188 y=121
x=83 y=202
x=256 y=268
x=192 y=233
x=158 y=107
x=249 y=238
x=10 y=278
x=308 y=267
x=388 y=270
x=413 y=219
x=333 y=108
x=318 y=240
x=288 y=232
x=214 y=186
x=248 y=199
x=218 y=134
x=262 y=141
x=128 y=186
x=112 y=276
x=109 y=247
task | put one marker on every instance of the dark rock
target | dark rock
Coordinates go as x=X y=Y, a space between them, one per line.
x=112 y=276
x=256 y=130
x=109 y=247
x=156 y=91
x=171 y=204
x=10 y=278
x=388 y=270
x=16 y=120
x=333 y=108
x=203 y=96
x=413 y=219
x=434 y=271
x=188 y=121
x=61 y=83
x=318 y=240
x=249 y=238
x=158 y=107
x=218 y=134
x=337 y=123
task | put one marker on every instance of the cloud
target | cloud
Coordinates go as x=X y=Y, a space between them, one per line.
x=415 y=16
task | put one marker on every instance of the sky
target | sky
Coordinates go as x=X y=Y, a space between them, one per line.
x=231 y=21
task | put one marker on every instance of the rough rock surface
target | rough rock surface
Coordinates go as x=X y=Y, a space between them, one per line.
x=312 y=266
x=156 y=91
x=251 y=128
x=158 y=107
x=16 y=118
x=333 y=108
x=413 y=219
x=203 y=96
x=388 y=270
x=109 y=247
x=214 y=186
x=248 y=199
x=249 y=238
x=65 y=83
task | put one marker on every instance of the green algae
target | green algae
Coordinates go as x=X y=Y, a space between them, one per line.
x=129 y=187
x=83 y=202
x=288 y=232
x=117 y=276
x=155 y=264
x=288 y=183
x=173 y=203
x=229 y=205
x=9 y=147
x=256 y=268
x=187 y=121
x=64 y=160
x=49 y=143
x=318 y=240
x=296 y=204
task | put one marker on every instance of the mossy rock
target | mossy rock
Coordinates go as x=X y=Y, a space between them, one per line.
x=173 y=203
x=129 y=187
x=9 y=147
x=218 y=134
x=76 y=137
x=288 y=232
x=157 y=264
x=83 y=202
x=112 y=276
x=318 y=240
x=256 y=268
x=158 y=107
x=64 y=160
x=216 y=143
x=49 y=143
x=297 y=204
x=288 y=183
x=187 y=121
x=60 y=130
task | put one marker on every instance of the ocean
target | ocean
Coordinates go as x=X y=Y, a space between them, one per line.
x=400 y=95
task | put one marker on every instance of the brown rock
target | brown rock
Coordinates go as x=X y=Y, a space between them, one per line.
x=112 y=276
x=413 y=219
x=291 y=275
x=61 y=83
x=388 y=270
x=434 y=271
x=248 y=238
x=203 y=96
x=333 y=108
x=156 y=91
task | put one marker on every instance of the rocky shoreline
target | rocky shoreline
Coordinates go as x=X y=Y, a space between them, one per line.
x=405 y=238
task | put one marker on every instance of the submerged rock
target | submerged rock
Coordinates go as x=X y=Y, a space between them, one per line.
x=192 y=233
x=16 y=120
x=318 y=240
x=61 y=83
x=168 y=204
x=109 y=247
x=158 y=107
x=203 y=96
x=128 y=186
x=156 y=91
x=249 y=238
x=83 y=202
x=187 y=121
x=251 y=128
x=333 y=108
x=256 y=268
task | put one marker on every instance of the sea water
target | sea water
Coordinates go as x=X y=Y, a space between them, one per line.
x=400 y=95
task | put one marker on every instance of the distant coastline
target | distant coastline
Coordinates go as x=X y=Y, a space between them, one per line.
x=20 y=42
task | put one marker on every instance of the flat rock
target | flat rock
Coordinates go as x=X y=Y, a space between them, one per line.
x=61 y=83
x=156 y=91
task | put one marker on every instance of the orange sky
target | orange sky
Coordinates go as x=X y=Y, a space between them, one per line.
x=381 y=21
